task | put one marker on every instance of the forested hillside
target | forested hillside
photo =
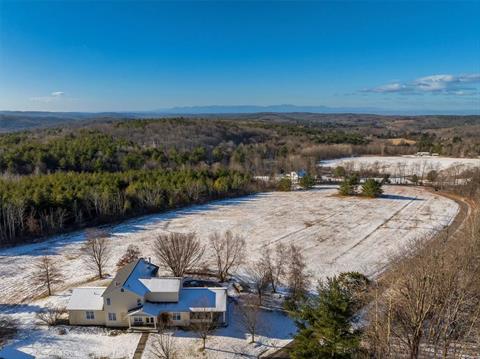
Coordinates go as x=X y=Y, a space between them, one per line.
x=64 y=178
x=58 y=179
x=135 y=144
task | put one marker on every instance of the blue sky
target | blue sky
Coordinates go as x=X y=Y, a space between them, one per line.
x=119 y=56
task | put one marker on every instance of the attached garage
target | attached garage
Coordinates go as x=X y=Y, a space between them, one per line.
x=86 y=306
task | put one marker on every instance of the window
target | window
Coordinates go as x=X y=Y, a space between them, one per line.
x=137 y=320
x=122 y=290
x=139 y=301
x=149 y=320
x=112 y=316
x=200 y=315
x=90 y=315
x=108 y=301
x=176 y=316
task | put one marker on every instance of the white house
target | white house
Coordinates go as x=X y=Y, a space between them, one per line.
x=139 y=299
x=295 y=177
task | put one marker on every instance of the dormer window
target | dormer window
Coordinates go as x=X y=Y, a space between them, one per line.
x=108 y=301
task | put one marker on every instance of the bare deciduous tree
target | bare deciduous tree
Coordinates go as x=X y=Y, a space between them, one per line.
x=249 y=315
x=430 y=304
x=48 y=273
x=259 y=276
x=297 y=277
x=275 y=263
x=131 y=255
x=164 y=346
x=202 y=322
x=178 y=252
x=229 y=251
x=97 y=251
x=52 y=316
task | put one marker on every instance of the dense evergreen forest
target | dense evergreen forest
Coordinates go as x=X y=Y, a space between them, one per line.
x=63 y=178
x=44 y=204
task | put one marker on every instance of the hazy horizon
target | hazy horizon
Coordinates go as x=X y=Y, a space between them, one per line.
x=252 y=109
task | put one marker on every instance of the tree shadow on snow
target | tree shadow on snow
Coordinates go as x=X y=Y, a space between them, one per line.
x=401 y=198
x=52 y=245
x=19 y=308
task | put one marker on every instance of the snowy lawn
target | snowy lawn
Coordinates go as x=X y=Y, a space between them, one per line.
x=275 y=330
x=399 y=166
x=42 y=341
x=337 y=234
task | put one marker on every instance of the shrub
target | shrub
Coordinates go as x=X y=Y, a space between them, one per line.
x=285 y=185
x=339 y=171
x=307 y=182
x=349 y=186
x=372 y=188
x=415 y=179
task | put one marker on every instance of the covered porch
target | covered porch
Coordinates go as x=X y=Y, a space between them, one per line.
x=138 y=320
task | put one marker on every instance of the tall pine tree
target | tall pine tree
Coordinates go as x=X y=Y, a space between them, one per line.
x=324 y=324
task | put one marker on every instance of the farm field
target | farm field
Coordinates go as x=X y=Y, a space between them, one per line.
x=337 y=234
x=404 y=165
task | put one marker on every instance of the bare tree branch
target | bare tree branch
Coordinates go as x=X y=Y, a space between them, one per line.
x=249 y=315
x=48 y=273
x=97 y=251
x=178 y=252
x=131 y=255
x=164 y=346
x=229 y=252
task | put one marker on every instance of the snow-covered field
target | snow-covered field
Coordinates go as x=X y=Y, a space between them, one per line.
x=404 y=165
x=337 y=234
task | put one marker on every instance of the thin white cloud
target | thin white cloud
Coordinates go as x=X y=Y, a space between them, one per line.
x=441 y=83
x=54 y=96
x=392 y=87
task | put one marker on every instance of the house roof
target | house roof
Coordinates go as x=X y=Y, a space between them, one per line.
x=164 y=285
x=143 y=270
x=190 y=300
x=87 y=298
x=127 y=277
x=12 y=353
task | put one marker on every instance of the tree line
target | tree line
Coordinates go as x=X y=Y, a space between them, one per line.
x=33 y=206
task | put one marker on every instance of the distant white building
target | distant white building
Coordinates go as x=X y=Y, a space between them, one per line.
x=296 y=176
x=137 y=298
x=262 y=178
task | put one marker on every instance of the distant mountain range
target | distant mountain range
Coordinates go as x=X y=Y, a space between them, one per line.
x=23 y=120
x=234 y=109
